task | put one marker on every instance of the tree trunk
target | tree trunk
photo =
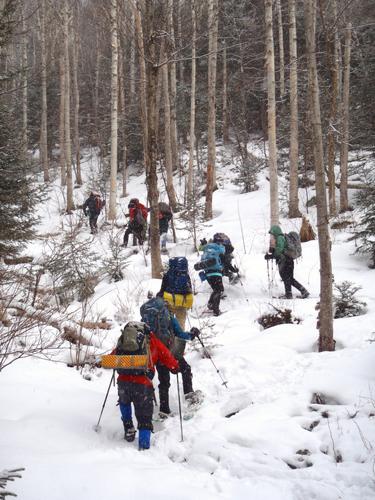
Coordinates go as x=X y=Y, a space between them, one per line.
x=271 y=115
x=173 y=90
x=326 y=342
x=143 y=82
x=96 y=90
x=281 y=49
x=211 y=129
x=293 y=99
x=68 y=146
x=24 y=88
x=179 y=36
x=122 y=121
x=132 y=56
x=151 y=152
x=62 y=120
x=114 y=112
x=75 y=55
x=344 y=203
x=43 y=125
x=225 y=96
x=168 y=143
x=192 y=103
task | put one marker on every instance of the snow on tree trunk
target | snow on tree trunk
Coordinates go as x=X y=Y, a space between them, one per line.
x=293 y=100
x=344 y=203
x=271 y=115
x=114 y=112
x=211 y=129
x=326 y=342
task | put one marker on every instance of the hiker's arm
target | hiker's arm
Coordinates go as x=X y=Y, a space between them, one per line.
x=178 y=331
x=165 y=356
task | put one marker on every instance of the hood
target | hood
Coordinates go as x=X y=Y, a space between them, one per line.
x=275 y=231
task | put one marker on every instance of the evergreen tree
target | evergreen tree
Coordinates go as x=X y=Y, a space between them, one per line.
x=16 y=196
x=366 y=229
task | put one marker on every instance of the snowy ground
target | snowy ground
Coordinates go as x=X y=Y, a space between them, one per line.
x=261 y=438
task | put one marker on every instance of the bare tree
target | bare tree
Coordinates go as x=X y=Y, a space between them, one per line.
x=75 y=57
x=344 y=203
x=24 y=86
x=192 y=102
x=43 y=125
x=281 y=49
x=326 y=342
x=62 y=78
x=271 y=115
x=293 y=100
x=173 y=89
x=225 y=96
x=211 y=127
x=114 y=111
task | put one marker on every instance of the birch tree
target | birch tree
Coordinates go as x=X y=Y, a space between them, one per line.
x=62 y=79
x=281 y=49
x=225 y=96
x=192 y=102
x=271 y=114
x=43 y=125
x=211 y=128
x=173 y=88
x=75 y=57
x=344 y=203
x=114 y=112
x=293 y=101
x=326 y=342
x=67 y=135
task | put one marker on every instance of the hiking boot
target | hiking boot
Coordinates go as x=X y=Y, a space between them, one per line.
x=287 y=295
x=304 y=294
x=164 y=416
x=164 y=250
x=217 y=313
x=194 y=397
x=209 y=307
x=130 y=432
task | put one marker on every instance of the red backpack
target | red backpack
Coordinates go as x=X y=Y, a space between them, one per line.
x=98 y=203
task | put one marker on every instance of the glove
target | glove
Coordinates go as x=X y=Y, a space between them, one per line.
x=85 y=212
x=194 y=332
x=175 y=370
x=268 y=256
x=204 y=242
x=235 y=269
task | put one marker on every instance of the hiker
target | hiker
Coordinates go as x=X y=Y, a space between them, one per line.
x=137 y=224
x=277 y=251
x=176 y=289
x=212 y=271
x=228 y=269
x=135 y=386
x=165 y=215
x=92 y=207
x=164 y=324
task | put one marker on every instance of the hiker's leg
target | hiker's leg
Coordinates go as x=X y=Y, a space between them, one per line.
x=124 y=394
x=126 y=235
x=216 y=283
x=286 y=267
x=187 y=377
x=92 y=222
x=163 y=240
x=164 y=384
x=143 y=407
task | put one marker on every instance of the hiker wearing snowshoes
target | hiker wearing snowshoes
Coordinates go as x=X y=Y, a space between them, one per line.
x=135 y=385
x=92 y=207
x=284 y=248
x=165 y=216
x=137 y=224
x=211 y=267
x=164 y=324
x=228 y=269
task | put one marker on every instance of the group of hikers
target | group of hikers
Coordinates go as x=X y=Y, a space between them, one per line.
x=160 y=337
x=137 y=225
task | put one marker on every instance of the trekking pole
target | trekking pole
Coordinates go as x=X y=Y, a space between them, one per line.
x=179 y=407
x=212 y=361
x=97 y=426
x=268 y=276
x=239 y=218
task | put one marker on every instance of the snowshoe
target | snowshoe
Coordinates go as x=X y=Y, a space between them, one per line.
x=130 y=433
x=194 y=401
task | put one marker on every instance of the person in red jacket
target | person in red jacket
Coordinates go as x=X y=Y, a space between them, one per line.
x=137 y=224
x=138 y=389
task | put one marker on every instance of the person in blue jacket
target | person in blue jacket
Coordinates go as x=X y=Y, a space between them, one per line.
x=212 y=265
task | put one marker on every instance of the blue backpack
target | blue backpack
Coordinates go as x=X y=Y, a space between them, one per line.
x=156 y=315
x=178 y=279
x=211 y=255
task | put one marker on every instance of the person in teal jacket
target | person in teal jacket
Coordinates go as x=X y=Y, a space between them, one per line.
x=284 y=262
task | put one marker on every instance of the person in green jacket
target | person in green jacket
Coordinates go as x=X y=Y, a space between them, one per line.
x=284 y=262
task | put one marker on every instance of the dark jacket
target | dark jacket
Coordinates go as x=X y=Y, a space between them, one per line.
x=92 y=205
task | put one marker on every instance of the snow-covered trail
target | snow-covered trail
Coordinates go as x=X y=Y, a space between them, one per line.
x=260 y=438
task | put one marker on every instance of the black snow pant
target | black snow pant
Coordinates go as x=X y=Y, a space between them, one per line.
x=93 y=221
x=286 y=270
x=142 y=398
x=137 y=231
x=164 y=382
x=216 y=283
